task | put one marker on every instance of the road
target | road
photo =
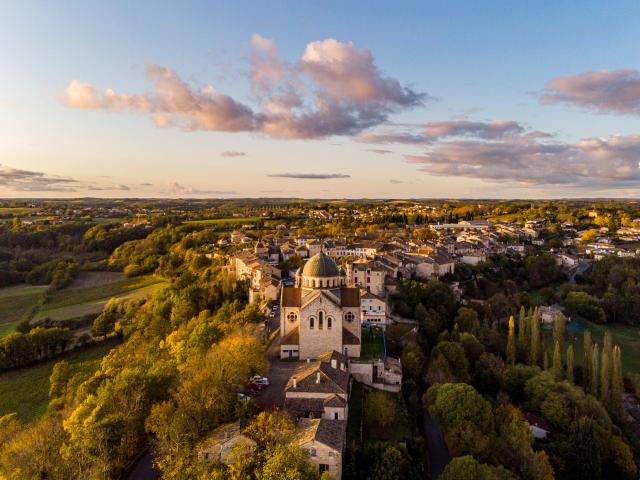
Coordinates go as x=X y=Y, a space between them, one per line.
x=439 y=455
x=583 y=266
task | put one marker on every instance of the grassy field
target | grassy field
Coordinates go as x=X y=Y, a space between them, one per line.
x=224 y=221
x=20 y=211
x=26 y=391
x=15 y=303
x=75 y=302
x=398 y=431
x=627 y=337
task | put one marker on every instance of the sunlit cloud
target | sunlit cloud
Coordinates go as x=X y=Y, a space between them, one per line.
x=608 y=91
x=233 y=153
x=334 y=89
x=310 y=176
x=30 y=181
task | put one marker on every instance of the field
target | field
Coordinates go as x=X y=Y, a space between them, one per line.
x=78 y=300
x=15 y=303
x=19 y=211
x=224 y=221
x=627 y=337
x=26 y=391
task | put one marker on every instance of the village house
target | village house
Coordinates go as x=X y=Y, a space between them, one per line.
x=224 y=443
x=383 y=374
x=324 y=442
x=369 y=275
x=373 y=309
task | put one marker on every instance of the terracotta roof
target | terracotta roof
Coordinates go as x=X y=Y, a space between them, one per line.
x=332 y=380
x=335 y=401
x=291 y=297
x=291 y=338
x=349 y=338
x=350 y=297
x=332 y=433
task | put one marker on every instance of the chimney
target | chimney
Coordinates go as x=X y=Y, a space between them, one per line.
x=342 y=366
x=295 y=382
x=318 y=377
x=308 y=360
x=334 y=363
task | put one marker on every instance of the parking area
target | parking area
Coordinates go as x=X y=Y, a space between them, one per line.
x=279 y=372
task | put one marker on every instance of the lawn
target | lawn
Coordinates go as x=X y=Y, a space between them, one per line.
x=224 y=221
x=628 y=337
x=26 y=391
x=15 y=303
x=372 y=343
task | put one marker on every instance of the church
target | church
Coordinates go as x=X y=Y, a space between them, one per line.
x=320 y=313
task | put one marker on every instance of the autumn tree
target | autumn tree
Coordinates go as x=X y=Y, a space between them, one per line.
x=570 y=363
x=511 y=342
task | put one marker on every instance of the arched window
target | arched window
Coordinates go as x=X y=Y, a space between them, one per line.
x=311 y=322
x=329 y=322
x=349 y=316
x=320 y=323
x=321 y=284
x=292 y=317
x=321 y=315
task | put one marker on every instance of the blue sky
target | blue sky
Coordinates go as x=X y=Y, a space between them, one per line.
x=478 y=62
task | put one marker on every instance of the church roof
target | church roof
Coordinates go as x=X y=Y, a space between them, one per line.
x=320 y=265
x=291 y=297
x=291 y=338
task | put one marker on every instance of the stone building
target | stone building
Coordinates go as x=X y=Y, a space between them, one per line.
x=320 y=313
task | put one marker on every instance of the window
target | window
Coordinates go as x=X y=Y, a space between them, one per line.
x=323 y=467
x=320 y=315
x=329 y=322
x=292 y=317
x=320 y=323
x=312 y=452
x=349 y=316
x=311 y=322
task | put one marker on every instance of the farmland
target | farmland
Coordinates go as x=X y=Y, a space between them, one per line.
x=15 y=303
x=26 y=391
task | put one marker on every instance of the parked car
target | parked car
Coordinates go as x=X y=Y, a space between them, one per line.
x=243 y=397
x=260 y=380
x=256 y=386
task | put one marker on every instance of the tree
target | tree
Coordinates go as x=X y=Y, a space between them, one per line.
x=467 y=468
x=585 y=453
x=393 y=464
x=606 y=371
x=286 y=462
x=455 y=355
x=617 y=387
x=535 y=351
x=581 y=304
x=587 y=374
x=511 y=342
x=556 y=367
x=458 y=402
x=380 y=408
x=595 y=370
x=466 y=319
x=570 y=363
x=59 y=379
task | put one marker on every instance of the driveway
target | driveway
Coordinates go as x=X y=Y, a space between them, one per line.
x=278 y=373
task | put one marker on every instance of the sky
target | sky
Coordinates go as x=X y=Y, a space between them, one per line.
x=314 y=99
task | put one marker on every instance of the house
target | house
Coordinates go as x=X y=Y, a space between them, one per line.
x=324 y=441
x=319 y=389
x=549 y=314
x=383 y=374
x=537 y=425
x=224 y=444
x=373 y=309
x=369 y=275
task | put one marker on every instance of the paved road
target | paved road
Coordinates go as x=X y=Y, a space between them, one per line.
x=278 y=374
x=583 y=266
x=142 y=469
x=439 y=455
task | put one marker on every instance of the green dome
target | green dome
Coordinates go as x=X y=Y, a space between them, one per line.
x=320 y=265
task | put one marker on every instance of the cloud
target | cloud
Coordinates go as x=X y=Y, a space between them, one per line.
x=146 y=184
x=535 y=160
x=334 y=89
x=379 y=151
x=607 y=91
x=310 y=176
x=232 y=153
x=175 y=188
x=116 y=186
x=434 y=131
x=395 y=182
x=30 y=181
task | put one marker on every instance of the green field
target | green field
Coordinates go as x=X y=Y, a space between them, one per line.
x=26 y=391
x=17 y=210
x=15 y=303
x=77 y=302
x=627 y=337
x=224 y=221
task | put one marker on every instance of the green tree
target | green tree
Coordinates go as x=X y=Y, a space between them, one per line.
x=570 y=363
x=587 y=374
x=585 y=451
x=455 y=355
x=523 y=338
x=511 y=342
x=535 y=350
x=458 y=402
x=466 y=319
x=393 y=464
x=556 y=367
x=467 y=468
x=595 y=370
x=59 y=378
x=380 y=408
x=617 y=387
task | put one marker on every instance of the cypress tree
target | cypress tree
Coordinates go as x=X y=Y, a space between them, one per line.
x=511 y=342
x=535 y=352
x=556 y=366
x=570 y=363
x=593 y=390
x=546 y=360
x=587 y=377
x=559 y=329
x=606 y=367
x=522 y=331
x=617 y=387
